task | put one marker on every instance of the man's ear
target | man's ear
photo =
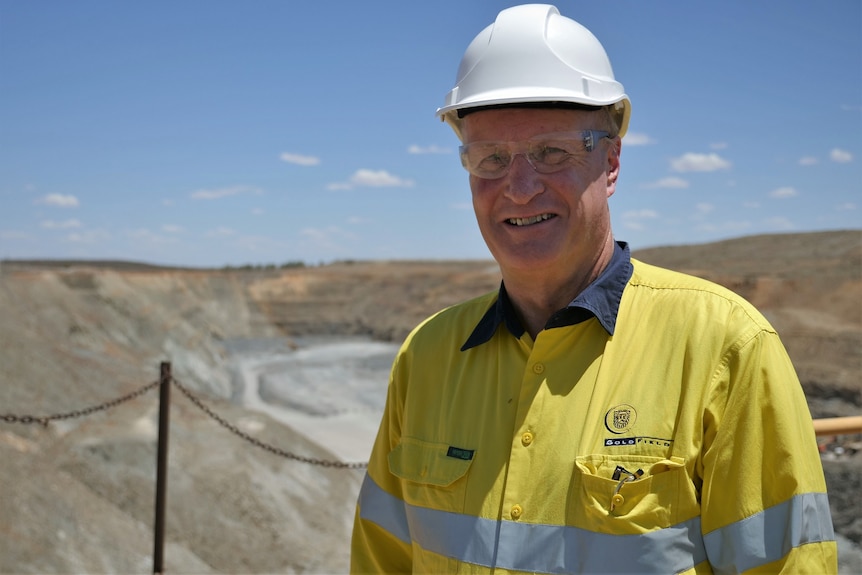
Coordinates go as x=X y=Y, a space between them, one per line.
x=613 y=164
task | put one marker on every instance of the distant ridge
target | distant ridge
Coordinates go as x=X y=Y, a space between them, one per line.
x=120 y=265
x=796 y=254
x=770 y=253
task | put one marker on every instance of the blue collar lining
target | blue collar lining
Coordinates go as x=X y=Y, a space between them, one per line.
x=601 y=300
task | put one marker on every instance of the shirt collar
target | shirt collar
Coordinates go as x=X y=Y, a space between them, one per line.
x=600 y=299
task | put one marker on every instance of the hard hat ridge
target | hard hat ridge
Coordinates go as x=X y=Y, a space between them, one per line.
x=531 y=53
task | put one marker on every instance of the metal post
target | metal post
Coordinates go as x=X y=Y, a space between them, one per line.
x=838 y=425
x=162 y=465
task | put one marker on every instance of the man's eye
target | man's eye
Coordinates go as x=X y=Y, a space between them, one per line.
x=494 y=160
x=550 y=154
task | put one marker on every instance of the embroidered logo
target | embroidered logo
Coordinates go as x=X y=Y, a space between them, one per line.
x=621 y=418
x=458 y=453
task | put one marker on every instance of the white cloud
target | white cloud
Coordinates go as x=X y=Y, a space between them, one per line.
x=808 y=161
x=724 y=227
x=718 y=146
x=633 y=225
x=223 y=192
x=89 y=237
x=66 y=225
x=846 y=207
x=637 y=139
x=461 y=206
x=323 y=234
x=378 y=179
x=59 y=201
x=692 y=162
x=783 y=193
x=751 y=205
x=840 y=156
x=314 y=234
x=432 y=149
x=642 y=214
x=258 y=244
x=365 y=178
x=150 y=237
x=221 y=232
x=172 y=229
x=299 y=159
x=329 y=239
x=702 y=213
x=634 y=219
x=670 y=183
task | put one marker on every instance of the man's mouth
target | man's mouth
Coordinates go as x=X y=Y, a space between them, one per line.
x=529 y=221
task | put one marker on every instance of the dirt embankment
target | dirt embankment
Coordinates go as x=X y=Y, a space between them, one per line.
x=809 y=286
x=72 y=336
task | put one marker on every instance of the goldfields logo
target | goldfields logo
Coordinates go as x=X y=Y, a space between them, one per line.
x=621 y=418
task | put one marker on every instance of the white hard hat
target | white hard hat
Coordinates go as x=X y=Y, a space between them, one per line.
x=532 y=53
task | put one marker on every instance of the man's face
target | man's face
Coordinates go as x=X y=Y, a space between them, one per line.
x=531 y=221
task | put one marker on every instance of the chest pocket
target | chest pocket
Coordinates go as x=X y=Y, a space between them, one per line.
x=434 y=474
x=661 y=497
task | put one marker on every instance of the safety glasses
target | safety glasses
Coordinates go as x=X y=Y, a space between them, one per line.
x=547 y=153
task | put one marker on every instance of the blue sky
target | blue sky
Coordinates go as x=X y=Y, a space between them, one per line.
x=210 y=133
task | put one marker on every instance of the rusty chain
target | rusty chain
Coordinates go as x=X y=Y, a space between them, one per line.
x=253 y=440
x=45 y=419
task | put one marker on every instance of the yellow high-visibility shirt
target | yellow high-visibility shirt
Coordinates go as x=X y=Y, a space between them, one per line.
x=678 y=441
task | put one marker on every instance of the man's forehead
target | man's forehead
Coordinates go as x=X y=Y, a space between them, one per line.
x=518 y=122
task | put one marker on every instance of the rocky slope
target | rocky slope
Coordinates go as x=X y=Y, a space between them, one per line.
x=78 y=494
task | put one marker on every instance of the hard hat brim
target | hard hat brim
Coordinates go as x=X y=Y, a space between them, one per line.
x=452 y=114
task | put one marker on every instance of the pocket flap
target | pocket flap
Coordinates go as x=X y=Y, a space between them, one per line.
x=603 y=466
x=427 y=462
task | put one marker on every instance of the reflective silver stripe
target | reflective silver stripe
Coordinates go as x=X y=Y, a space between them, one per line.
x=387 y=511
x=561 y=549
x=770 y=534
x=531 y=547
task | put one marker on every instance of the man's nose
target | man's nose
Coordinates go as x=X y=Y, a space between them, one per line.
x=523 y=182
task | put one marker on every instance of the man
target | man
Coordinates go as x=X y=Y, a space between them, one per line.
x=597 y=414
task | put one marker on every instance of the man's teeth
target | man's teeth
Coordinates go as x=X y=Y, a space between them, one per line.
x=529 y=221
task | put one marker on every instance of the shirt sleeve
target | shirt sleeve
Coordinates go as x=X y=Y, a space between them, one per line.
x=381 y=542
x=764 y=503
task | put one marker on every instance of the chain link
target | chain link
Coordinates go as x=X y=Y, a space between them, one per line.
x=45 y=419
x=253 y=440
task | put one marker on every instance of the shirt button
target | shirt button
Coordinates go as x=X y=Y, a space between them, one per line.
x=527 y=438
x=538 y=368
x=516 y=511
x=616 y=500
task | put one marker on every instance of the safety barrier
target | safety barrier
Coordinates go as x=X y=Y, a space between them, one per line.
x=164 y=383
x=835 y=426
x=44 y=420
x=838 y=425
